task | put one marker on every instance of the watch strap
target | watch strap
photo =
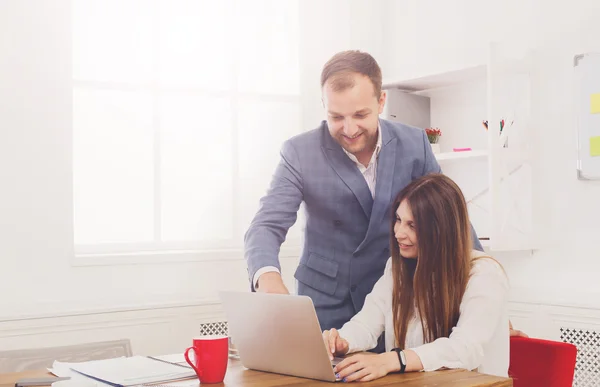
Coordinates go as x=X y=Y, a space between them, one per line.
x=400 y=359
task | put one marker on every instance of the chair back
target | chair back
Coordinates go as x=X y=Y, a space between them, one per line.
x=543 y=363
x=42 y=358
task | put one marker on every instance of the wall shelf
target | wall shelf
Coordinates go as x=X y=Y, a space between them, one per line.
x=423 y=82
x=448 y=156
x=504 y=87
x=434 y=81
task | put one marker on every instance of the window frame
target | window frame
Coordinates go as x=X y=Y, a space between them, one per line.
x=159 y=251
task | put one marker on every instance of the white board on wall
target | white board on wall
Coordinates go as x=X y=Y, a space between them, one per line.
x=587 y=100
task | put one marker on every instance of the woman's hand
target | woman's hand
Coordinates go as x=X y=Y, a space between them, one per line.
x=336 y=346
x=515 y=332
x=366 y=367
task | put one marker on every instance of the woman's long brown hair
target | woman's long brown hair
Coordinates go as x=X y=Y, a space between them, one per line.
x=436 y=280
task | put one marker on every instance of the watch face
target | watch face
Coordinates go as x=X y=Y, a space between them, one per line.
x=403 y=357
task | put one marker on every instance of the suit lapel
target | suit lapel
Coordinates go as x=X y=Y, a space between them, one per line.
x=348 y=172
x=385 y=181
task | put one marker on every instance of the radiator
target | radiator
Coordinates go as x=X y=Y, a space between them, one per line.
x=587 y=368
x=214 y=328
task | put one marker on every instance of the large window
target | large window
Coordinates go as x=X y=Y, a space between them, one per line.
x=179 y=112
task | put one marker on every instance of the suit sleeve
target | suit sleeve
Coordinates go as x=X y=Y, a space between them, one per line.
x=431 y=166
x=476 y=243
x=277 y=212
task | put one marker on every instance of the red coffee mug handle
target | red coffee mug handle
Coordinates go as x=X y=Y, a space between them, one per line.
x=198 y=372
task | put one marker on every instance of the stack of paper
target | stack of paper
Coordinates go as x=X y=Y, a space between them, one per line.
x=176 y=358
x=128 y=371
x=63 y=370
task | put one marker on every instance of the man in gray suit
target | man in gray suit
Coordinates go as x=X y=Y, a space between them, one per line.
x=347 y=172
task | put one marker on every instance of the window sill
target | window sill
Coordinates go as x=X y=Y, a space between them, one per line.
x=174 y=256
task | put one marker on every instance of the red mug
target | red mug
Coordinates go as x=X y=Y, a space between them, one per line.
x=210 y=360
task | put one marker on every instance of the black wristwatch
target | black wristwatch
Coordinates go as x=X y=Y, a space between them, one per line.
x=401 y=358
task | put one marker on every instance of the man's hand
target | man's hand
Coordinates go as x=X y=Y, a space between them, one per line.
x=336 y=346
x=271 y=282
x=515 y=332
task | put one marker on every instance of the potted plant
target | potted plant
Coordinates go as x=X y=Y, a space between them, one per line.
x=433 y=135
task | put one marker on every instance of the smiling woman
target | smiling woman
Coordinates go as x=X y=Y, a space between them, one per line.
x=440 y=303
x=404 y=231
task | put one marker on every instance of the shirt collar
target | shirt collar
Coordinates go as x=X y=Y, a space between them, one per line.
x=375 y=152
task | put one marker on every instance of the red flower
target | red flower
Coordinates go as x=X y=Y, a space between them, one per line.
x=433 y=132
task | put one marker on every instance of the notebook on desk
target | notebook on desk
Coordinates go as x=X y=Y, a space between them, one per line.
x=132 y=371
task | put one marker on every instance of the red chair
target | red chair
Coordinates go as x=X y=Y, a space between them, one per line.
x=543 y=363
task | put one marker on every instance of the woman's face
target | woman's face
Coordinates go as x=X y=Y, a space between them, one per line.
x=405 y=231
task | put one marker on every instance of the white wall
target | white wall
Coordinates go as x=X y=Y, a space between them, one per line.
x=564 y=271
x=37 y=278
x=328 y=27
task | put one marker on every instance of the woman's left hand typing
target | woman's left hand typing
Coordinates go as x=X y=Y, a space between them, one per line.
x=366 y=367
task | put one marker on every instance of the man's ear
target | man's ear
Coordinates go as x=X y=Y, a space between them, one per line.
x=382 y=100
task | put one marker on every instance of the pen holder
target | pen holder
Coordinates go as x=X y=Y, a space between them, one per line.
x=233 y=352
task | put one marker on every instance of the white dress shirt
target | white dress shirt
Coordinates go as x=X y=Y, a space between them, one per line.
x=480 y=339
x=369 y=173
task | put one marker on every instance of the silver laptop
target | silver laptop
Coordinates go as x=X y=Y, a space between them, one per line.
x=278 y=333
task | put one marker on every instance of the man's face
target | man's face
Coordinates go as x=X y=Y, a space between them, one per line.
x=352 y=115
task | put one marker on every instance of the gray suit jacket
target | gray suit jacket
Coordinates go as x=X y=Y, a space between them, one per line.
x=347 y=233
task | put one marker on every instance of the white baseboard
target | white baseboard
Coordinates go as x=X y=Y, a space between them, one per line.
x=169 y=326
x=557 y=296
x=49 y=310
x=157 y=330
x=542 y=314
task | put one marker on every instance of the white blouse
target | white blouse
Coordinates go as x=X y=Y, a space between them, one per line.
x=479 y=341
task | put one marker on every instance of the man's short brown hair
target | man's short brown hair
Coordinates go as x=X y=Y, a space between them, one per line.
x=341 y=66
